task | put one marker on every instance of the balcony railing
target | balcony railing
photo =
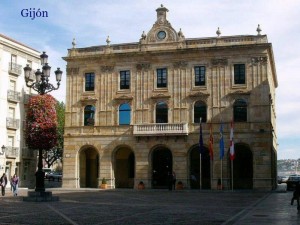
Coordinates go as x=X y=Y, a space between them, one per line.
x=11 y=152
x=160 y=129
x=27 y=153
x=13 y=96
x=12 y=123
x=15 y=68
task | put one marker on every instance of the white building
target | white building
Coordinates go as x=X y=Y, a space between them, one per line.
x=14 y=96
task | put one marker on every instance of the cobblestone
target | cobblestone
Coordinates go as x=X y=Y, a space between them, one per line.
x=151 y=207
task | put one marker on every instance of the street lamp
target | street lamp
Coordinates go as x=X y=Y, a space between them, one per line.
x=42 y=86
x=3 y=148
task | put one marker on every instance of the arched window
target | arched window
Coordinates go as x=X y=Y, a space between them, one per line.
x=200 y=110
x=240 y=111
x=161 y=112
x=89 y=115
x=124 y=114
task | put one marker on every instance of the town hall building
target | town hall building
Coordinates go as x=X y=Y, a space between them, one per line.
x=133 y=111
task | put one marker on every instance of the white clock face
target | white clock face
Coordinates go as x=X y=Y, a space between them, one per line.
x=161 y=35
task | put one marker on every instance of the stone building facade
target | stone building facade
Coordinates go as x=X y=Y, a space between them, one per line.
x=133 y=111
x=14 y=96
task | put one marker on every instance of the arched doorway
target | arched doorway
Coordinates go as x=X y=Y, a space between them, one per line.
x=124 y=168
x=161 y=166
x=242 y=167
x=195 y=168
x=89 y=167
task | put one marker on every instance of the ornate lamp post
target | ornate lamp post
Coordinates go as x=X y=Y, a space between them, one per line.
x=42 y=86
x=3 y=148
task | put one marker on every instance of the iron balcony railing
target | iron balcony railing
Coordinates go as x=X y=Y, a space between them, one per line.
x=13 y=96
x=160 y=129
x=12 y=152
x=15 y=68
x=12 y=123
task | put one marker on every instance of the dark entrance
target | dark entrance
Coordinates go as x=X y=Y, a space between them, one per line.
x=195 y=169
x=242 y=167
x=161 y=166
x=89 y=164
x=124 y=168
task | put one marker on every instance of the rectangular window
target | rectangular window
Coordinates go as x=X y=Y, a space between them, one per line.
x=13 y=58
x=124 y=79
x=239 y=74
x=162 y=78
x=11 y=112
x=12 y=85
x=199 y=75
x=89 y=82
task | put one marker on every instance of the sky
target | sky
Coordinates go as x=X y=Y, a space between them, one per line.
x=91 y=21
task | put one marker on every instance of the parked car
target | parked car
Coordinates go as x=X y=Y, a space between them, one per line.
x=282 y=179
x=54 y=176
x=292 y=181
x=46 y=171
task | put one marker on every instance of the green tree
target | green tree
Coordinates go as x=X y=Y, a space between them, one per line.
x=56 y=152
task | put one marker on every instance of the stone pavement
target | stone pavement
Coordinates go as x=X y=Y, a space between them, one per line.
x=151 y=207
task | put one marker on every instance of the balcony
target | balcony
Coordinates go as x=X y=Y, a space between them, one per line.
x=12 y=123
x=11 y=152
x=27 y=153
x=159 y=129
x=15 y=68
x=13 y=96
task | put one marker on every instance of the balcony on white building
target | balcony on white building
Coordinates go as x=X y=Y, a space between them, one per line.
x=12 y=123
x=159 y=129
x=15 y=68
x=11 y=152
x=13 y=96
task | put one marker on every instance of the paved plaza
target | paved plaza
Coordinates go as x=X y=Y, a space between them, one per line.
x=151 y=207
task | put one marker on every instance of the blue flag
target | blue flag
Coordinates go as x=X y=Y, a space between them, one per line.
x=221 y=142
x=201 y=147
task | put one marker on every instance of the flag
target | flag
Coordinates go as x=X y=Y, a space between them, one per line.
x=221 y=142
x=201 y=147
x=211 y=143
x=231 y=142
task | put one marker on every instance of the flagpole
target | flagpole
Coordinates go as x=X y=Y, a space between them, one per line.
x=200 y=163
x=200 y=172
x=232 y=175
x=222 y=174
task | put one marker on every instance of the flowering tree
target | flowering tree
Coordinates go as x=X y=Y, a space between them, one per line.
x=55 y=153
x=41 y=122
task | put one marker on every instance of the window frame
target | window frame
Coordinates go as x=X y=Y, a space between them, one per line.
x=199 y=83
x=164 y=111
x=85 y=122
x=240 y=105
x=89 y=85
x=123 y=111
x=197 y=119
x=161 y=81
x=239 y=76
x=127 y=80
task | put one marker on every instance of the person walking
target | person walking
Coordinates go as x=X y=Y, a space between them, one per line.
x=3 y=181
x=14 y=183
x=296 y=195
